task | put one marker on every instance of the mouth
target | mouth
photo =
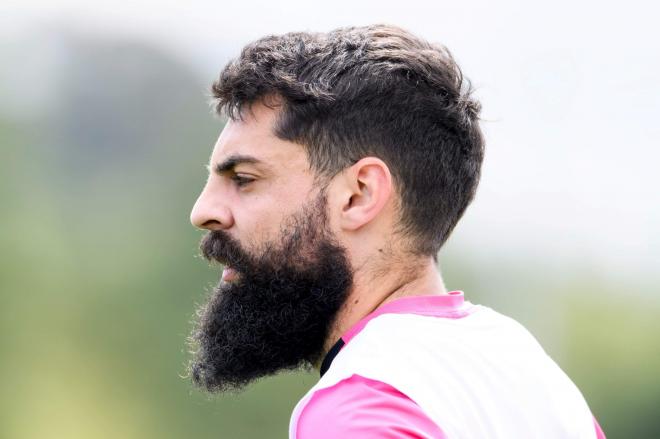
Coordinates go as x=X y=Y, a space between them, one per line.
x=229 y=274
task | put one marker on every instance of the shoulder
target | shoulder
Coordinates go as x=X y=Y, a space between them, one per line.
x=361 y=407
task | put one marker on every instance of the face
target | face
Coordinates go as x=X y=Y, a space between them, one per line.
x=261 y=179
x=285 y=275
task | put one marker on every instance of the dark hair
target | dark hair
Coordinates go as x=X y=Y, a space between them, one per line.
x=371 y=91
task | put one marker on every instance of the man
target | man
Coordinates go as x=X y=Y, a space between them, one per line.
x=347 y=161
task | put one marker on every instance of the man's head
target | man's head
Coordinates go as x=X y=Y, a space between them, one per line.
x=346 y=151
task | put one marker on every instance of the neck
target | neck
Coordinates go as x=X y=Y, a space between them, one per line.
x=371 y=291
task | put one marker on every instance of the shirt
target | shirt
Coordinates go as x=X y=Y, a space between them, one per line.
x=440 y=367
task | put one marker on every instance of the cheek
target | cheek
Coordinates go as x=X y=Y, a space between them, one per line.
x=259 y=215
x=259 y=219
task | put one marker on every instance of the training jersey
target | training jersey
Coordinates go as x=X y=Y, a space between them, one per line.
x=441 y=367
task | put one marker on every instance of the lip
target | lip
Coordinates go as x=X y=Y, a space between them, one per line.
x=229 y=274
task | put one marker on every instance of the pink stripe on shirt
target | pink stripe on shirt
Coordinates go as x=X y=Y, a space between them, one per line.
x=359 y=407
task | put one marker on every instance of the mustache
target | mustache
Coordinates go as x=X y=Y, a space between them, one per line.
x=218 y=246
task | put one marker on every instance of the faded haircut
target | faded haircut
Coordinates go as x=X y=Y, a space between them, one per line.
x=370 y=91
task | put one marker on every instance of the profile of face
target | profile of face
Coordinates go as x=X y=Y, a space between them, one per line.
x=286 y=276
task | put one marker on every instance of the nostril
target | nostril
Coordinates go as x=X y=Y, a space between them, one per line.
x=212 y=225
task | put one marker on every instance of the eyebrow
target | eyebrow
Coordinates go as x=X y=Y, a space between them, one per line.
x=234 y=160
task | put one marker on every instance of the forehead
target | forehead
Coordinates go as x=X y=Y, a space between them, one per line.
x=253 y=136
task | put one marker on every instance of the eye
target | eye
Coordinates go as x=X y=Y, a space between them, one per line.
x=240 y=180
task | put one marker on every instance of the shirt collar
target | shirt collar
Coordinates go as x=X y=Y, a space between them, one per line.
x=450 y=305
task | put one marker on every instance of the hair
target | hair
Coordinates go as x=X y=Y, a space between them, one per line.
x=370 y=91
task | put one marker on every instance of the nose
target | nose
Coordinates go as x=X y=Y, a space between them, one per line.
x=210 y=213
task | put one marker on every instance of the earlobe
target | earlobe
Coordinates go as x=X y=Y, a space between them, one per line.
x=368 y=189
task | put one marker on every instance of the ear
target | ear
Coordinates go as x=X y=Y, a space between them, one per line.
x=366 y=190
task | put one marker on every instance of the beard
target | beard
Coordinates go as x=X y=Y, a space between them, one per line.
x=277 y=315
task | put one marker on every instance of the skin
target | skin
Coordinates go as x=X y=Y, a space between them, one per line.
x=362 y=208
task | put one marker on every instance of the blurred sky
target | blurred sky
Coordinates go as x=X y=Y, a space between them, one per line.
x=570 y=94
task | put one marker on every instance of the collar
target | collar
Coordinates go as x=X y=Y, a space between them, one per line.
x=448 y=305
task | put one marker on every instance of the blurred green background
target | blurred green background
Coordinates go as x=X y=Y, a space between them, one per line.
x=99 y=277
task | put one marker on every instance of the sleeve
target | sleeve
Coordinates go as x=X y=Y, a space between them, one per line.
x=599 y=431
x=359 y=407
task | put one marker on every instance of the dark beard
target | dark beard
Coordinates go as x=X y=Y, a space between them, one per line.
x=278 y=314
